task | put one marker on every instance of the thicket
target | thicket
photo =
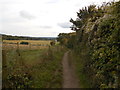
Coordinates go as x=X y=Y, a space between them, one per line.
x=97 y=41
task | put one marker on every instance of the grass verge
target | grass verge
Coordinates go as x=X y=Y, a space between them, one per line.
x=78 y=60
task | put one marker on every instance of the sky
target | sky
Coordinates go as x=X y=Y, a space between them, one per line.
x=40 y=18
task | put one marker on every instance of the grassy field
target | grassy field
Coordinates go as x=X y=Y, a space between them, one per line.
x=33 y=68
x=33 y=44
x=30 y=41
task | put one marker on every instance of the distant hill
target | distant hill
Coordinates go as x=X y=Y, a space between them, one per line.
x=10 y=37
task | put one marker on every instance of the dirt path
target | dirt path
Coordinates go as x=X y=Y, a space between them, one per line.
x=69 y=78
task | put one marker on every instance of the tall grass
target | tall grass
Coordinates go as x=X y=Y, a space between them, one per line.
x=84 y=80
x=34 y=68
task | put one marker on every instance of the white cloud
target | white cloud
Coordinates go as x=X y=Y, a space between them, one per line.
x=26 y=15
x=39 y=17
x=64 y=25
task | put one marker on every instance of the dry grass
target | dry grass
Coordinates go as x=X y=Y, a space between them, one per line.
x=30 y=41
x=33 y=44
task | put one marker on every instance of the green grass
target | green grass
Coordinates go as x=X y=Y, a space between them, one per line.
x=42 y=66
x=31 y=57
x=79 y=65
x=49 y=74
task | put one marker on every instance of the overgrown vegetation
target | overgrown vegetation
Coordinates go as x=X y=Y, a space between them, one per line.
x=96 y=43
x=33 y=68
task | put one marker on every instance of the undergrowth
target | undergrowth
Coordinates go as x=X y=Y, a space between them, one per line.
x=34 y=68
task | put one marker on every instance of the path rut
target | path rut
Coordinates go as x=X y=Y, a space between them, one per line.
x=70 y=79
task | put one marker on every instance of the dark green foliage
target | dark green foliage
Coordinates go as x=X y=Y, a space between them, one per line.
x=52 y=43
x=62 y=38
x=90 y=13
x=106 y=52
x=10 y=37
x=116 y=9
x=76 y=24
x=19 y=80
x=67 y=39
x=98 y=46
x=26 y=43
x=71 y=42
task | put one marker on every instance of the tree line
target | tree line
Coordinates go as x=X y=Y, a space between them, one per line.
x=10 y=37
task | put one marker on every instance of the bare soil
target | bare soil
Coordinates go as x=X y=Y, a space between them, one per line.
x=70 y=79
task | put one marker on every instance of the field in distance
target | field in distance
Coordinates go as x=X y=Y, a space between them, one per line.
x=30 y=41
x=32 y=44
x=33 y=65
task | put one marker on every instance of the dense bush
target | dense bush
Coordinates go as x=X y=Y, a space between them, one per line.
x=105 y=53
x=19 y=80
x=52 y=43
x=26 y=43
x=97 y=42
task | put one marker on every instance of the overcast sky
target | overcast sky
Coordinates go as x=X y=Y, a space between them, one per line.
x=39 y=18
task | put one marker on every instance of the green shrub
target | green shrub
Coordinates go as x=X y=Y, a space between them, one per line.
x=26 y=43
